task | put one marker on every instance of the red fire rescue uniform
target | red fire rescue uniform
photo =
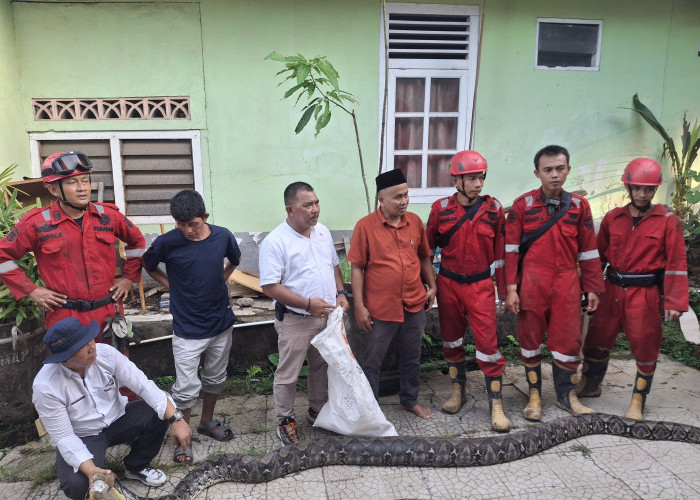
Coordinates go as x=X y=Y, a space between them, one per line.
x=654 y=245
x=550 y=288
x=476 y=249
x=77 y=262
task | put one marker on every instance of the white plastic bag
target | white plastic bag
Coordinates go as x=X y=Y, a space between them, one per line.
x=351 y=408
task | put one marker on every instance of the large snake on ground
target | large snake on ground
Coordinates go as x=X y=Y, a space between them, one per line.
x=418 y=451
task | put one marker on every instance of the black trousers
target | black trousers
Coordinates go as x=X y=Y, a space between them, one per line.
x=139 y=426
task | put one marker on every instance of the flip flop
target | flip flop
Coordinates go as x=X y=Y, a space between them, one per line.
x=223 y=434
x=179 y=451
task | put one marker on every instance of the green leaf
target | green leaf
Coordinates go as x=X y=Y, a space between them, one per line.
x=274 y=56
x=649 y=117
x=323 y=120
x=303 y=72
x=304 y=119
x=292 y=90
x=327 y=68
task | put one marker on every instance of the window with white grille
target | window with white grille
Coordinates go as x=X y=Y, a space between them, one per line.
x=431 y=58
x=568 y=44
x=137 y=171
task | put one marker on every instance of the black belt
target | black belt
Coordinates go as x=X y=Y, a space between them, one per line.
x=289 y=311
x=626 y=280
x=465 y=278
x=281 y=310
x=87 y=305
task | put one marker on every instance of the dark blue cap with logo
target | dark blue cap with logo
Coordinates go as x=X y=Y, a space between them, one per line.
x=66 y=337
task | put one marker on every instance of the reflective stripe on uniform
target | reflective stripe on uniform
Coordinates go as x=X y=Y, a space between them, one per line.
x=646 y=363
x=8 y=266
x=591 y=254
x=488 y=357
x=531 y=354
x=497 y=264
x=564 y=357
x=46 y=214
x=677 y=273
x=512 y=248
x=100 y=209
x=450 y=345
x=134 y=252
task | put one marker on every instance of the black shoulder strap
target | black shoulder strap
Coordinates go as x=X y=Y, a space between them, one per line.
x=527 y=239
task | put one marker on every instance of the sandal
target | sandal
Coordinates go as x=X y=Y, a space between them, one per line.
x=179 y=451
x=223 y=434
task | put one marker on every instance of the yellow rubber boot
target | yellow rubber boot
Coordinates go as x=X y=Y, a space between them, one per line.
x=533 y=410
x=458 y=376
x=499 y=421
x=642 y=385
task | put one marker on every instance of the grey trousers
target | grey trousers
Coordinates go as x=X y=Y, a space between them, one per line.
x=410 y=335
x=294 y=336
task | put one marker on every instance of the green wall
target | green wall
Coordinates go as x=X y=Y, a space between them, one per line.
x=213 y=51
x=14 y=144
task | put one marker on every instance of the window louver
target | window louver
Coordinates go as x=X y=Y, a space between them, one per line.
x=428 y=37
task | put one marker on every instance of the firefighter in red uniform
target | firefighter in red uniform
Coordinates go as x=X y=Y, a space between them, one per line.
x=73 y=242
x=470 y=231
x=643 y=247
x=544 y=290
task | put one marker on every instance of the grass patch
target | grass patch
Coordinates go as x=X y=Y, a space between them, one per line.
x=585 y=451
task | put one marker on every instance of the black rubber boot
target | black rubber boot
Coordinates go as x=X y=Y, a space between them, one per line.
x=642 y=386
x=458 y=376
x=565 y=387
x=499 y=421
x=592 y=376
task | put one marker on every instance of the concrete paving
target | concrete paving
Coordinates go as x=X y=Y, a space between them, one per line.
x=590 y=467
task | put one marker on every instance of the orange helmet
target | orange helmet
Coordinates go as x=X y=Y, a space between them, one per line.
x=643 y=172
x=62 y=165
x=467 y=162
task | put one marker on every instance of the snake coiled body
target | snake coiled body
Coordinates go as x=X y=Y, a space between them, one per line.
x=419 y=451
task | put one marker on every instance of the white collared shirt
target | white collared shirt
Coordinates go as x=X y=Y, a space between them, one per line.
x=72 y=407
x=303 y=265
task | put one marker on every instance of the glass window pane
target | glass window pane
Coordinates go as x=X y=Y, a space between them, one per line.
x=442 y=133
x=444 y=95
x=439 y=170
x=410 y=95
x=411 y=166
x=408 y=133
x=566 y=45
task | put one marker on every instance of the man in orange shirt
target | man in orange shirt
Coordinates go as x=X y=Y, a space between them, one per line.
x=390 y=261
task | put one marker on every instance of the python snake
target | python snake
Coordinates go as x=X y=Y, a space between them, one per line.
x=418 y=451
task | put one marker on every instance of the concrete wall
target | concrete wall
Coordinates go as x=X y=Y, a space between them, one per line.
x=14 y=143
x=213 y=51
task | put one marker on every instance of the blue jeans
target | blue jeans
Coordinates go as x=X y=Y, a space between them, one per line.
x=410 y=335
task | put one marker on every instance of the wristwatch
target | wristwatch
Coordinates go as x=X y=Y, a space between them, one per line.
x=342 y=292
x=178 y=415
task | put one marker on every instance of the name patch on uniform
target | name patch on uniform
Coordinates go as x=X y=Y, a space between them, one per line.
x=46 y=228
x=108 y=229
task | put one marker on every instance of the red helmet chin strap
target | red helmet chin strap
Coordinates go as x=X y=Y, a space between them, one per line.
x=65 y=202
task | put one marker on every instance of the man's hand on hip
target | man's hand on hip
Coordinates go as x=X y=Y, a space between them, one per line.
x=47 y=298
x=121 y=288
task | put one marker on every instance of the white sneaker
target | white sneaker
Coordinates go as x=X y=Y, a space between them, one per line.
x=148 y=476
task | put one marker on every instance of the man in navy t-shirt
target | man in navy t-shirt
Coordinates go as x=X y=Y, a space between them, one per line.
x=194 y=254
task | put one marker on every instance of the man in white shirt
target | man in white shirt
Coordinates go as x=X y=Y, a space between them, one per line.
x=76 y=394
x=299 y=270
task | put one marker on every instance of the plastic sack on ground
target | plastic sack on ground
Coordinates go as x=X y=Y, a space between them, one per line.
x=351 y=408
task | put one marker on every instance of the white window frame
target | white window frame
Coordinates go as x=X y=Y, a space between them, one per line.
x=428 y=195
x=114 y=142
x=425 y=68
x=596 y=61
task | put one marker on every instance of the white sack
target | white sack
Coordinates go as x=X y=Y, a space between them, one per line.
x=351 y=408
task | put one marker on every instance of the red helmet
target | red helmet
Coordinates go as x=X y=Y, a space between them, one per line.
x=62 y=165
x=643 y=172
x=467 y=162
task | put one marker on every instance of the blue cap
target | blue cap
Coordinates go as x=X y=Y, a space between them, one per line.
x=68 y=336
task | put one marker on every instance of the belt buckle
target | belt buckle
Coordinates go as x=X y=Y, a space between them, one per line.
x=82 y=305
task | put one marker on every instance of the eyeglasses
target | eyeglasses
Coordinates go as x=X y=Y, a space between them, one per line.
x=67 y=163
